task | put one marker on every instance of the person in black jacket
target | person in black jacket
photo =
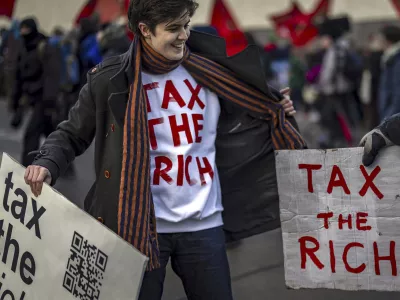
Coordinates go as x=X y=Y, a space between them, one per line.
x=37 y=78
x=182 y=178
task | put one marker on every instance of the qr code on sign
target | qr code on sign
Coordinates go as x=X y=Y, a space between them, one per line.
x=85 y=269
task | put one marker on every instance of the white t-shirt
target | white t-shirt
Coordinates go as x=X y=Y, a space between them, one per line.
x=183 y=118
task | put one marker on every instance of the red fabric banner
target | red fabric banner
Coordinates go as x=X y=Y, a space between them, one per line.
x=108 y=10
x=322 y=9
x=226 y=27
x=396 y=4
x=298 y=26
x=87 y=10
x=7 y=8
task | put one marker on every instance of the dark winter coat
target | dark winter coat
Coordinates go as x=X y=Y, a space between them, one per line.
x=245 y=157
x=38 y=72
x=389 y=88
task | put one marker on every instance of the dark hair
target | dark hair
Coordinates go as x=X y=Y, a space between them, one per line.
x=58 y=31
x=391 y=33
x=154 y=12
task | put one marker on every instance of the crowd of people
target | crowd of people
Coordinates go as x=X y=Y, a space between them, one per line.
x=171 y=98
x=343 y=90
x=46 y=73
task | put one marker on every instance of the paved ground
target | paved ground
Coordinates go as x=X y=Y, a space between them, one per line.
x=256 y=264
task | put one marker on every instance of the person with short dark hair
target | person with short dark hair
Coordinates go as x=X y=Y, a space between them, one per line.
x=389 y=88
x=37 y=77
x=184 y=154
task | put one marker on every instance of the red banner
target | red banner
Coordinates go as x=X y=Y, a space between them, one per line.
x=396 y=4
x=7 y=8
x=226 y=27
x=298 y=26
x=87 y=10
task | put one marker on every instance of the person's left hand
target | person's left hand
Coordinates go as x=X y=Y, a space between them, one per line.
x=287 y=103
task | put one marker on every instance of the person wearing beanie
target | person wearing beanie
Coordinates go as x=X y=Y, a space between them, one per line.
x=389 y=89
x=37 y=78
x=337 y=82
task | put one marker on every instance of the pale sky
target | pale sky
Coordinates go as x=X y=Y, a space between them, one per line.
x=249 y=13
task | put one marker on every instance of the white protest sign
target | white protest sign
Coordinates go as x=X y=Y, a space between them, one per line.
x=51 y=249
x=340 y=220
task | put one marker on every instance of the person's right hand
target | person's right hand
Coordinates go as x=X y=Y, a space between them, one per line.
x=35 y=176
x=386 y=134
x=373 y=142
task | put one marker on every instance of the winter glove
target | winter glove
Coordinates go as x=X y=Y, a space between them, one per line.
x=386 y=134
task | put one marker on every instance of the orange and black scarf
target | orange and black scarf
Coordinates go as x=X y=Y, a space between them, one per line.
x=136 y=217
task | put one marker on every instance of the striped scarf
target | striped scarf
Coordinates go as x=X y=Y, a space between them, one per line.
x=136 y=216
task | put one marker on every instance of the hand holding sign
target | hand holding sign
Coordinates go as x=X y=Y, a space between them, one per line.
x=51 y=249
x=287 y=103
x=35 y=176
x=339 y=219
x=386 y=134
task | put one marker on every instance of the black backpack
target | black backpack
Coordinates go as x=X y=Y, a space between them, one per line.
x=352 y=67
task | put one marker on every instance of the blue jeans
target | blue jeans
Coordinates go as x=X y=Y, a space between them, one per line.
x=199 y=259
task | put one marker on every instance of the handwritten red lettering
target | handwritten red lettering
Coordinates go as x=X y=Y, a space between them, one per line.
x=153 y=139
x=187 y=175
x=339 y=182
x=309 y=169
x=361 y=219
x=369 y=182
x=347 y=221
x=304 y=251
x=181 y=170
x=207 y=169
x=171 y=94
x=162 y=173
x=195 y=95
x=332 y=257
x=179 y=180
x=391 y=258
x=149 y=87
x=176 y=129
x=197 y=126
x=326 y=217
x=349 y=268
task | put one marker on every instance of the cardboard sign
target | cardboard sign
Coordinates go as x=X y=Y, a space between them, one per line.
x=340 y=220
x=51 y=249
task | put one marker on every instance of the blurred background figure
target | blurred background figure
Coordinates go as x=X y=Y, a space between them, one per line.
x=11 y=46
x=113 y=40
x=338 y=83
x=37 y=79
x=89 y=52
x=389 y=91
x=343 y=72
x=369 y=88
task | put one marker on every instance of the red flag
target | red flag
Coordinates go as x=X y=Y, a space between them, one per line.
x=286 y=23
x=109 y=10
x=282 y=21
x=7 y=8
x=126 y=5
x=322 y=9
x=224 y=23
x=396 y=4
x=129 y=33
x=87 y=10
x=297 y=25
